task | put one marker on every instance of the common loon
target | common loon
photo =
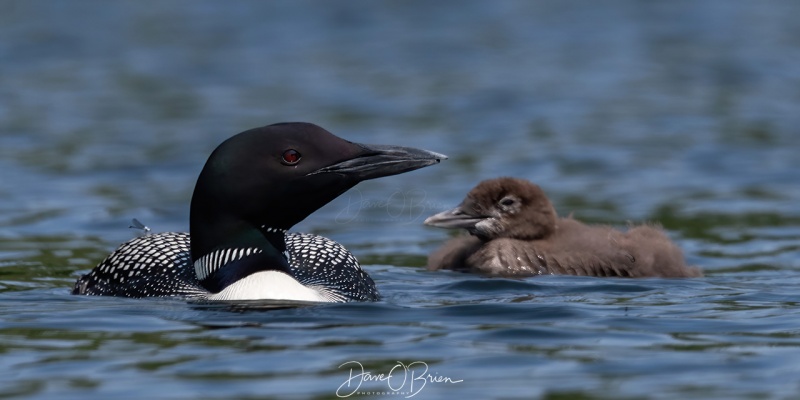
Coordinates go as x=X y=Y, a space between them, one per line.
x=515 y=231
x=254 y=187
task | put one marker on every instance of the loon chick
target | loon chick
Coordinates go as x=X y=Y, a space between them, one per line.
x=515 y=231
x=254 y=187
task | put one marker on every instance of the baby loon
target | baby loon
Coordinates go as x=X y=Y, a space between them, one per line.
x=253 y=188
x=516 y=232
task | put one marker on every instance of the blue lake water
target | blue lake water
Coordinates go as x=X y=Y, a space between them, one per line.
x=680 y=112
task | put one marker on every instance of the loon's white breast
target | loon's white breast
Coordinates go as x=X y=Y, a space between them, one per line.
x=269 y=285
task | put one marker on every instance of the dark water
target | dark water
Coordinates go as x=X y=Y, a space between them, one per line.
x=681 y=112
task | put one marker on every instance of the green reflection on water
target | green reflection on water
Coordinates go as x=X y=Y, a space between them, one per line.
x=46 y=261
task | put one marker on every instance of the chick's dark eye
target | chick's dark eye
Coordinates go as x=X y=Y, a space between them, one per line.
x=507 y=202
x=291 y=157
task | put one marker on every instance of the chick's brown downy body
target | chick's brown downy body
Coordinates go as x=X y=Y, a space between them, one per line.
x=515 y=231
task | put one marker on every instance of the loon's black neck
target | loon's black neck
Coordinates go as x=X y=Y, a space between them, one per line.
x=219 y=221
x=245 y=250
x=218 y=227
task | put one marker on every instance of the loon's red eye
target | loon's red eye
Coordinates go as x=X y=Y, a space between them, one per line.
x=291 y=157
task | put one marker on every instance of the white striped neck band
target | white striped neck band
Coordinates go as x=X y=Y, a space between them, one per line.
x=272 y=230
x=207 y=264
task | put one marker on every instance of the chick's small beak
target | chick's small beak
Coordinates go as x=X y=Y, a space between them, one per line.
x=453 y=219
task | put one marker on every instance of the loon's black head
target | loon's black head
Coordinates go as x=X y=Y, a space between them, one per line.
x=265 y=180
x=501 y=207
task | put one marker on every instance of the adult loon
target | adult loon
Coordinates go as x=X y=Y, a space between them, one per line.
x=515 y=231
x=254 y=187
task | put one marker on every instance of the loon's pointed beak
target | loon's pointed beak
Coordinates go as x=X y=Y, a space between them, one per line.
x=453 y=219
x=375 y=161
